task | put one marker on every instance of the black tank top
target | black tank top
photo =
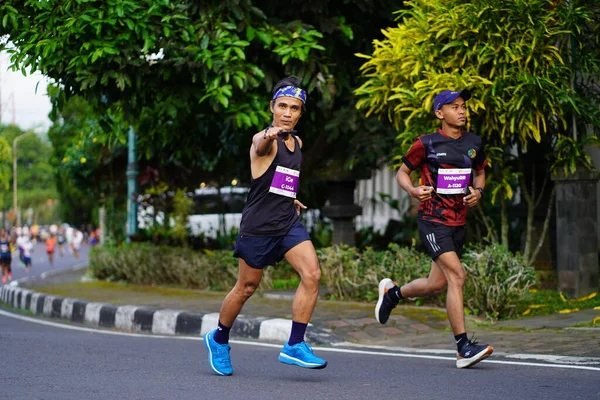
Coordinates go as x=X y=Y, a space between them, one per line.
x=269 y=209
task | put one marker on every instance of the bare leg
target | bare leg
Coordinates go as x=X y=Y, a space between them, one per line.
x=248 y=280
x=303 y=258
x=434 y=284
x=453 y=270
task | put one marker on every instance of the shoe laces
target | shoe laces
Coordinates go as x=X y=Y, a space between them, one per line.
x=306 y=346
x=471 y=342
x=222 y=349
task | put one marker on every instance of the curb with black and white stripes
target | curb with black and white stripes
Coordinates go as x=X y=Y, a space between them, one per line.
x=151 y=320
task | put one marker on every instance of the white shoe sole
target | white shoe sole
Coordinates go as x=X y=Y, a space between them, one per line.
x=382 y=293
x=284 y=358
x=469 y=362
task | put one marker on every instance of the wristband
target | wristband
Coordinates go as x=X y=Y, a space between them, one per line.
x=266 y=131
x=480 y=190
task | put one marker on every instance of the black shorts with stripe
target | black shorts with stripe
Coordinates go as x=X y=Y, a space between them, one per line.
x=439 y=239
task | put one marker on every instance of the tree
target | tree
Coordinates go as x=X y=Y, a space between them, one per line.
x=5 y=170
x=517 y=58
x=171 y=63
x=34 y=179
x=191 y=77
x=85 y=157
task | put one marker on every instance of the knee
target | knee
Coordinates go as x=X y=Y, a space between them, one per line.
x=437 y=287
x=457 y=279
x=312 y=278
x=245 y=290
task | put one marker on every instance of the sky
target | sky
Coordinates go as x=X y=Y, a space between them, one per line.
x=20 y=101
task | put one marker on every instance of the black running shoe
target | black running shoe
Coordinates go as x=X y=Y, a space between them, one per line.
x=384 y=306
x=471 y=353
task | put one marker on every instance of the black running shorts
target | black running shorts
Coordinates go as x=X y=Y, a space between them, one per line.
x=439 y=239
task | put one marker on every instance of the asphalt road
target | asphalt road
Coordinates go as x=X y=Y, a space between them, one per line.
x=40 y=359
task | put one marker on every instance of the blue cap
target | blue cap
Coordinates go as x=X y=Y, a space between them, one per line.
x=448 y=96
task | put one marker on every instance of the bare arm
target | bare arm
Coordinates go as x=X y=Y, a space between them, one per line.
x=262 y=142
x=422 y=193
x=479 y=179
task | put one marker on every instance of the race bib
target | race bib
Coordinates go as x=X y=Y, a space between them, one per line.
x=453 y=181
x=4 y=248
x=285 y=182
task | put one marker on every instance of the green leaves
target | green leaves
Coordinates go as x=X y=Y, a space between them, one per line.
x=5 y=162
x=532 y=66
x=510 y=54
x=570 y=154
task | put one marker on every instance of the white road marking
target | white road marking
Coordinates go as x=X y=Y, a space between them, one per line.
x=324 y=349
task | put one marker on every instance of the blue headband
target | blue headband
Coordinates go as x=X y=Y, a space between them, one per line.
x=290 y=91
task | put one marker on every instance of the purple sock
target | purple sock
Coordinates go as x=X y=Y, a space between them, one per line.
x=297 y=334
x=222 y=334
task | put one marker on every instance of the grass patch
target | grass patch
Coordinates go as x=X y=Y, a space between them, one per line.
x=121 y=293
x=83 y=287
x=544 y=302
x=7 y=307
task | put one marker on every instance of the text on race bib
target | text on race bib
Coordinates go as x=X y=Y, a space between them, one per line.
x=453 y=180
x=285 y=182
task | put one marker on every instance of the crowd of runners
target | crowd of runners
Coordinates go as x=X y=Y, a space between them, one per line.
x=17 y=244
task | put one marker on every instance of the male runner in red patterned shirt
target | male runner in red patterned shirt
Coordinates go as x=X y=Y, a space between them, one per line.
x=452 y=165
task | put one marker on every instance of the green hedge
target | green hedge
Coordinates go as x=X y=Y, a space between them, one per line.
x=147 y=264
x=496 y=279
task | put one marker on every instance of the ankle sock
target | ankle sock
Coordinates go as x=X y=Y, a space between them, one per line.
x=222 y=334
x=461 y=340
x=297 y=334
x=394 y=294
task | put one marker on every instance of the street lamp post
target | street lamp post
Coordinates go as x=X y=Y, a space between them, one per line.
x=132 y=174
x=18 y=215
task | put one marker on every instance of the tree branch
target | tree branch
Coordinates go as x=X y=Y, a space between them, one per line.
x=546 y=225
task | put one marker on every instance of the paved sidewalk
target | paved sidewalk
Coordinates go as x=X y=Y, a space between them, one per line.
x=354 y=323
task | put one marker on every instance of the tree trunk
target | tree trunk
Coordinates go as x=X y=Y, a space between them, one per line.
x=504 y=223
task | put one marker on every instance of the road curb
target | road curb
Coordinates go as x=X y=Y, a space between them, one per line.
x=151 y=320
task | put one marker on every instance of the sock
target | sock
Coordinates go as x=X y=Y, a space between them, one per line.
x=461 y=340
x=222 y=334
x=297 y=334
x=394 y=294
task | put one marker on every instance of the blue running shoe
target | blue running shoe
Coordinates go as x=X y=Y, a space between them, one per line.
x=471 y=353
x=218 y=355
x=301 y=354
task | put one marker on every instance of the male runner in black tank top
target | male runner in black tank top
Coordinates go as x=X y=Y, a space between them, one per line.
x=450 y=159
x=270 y=231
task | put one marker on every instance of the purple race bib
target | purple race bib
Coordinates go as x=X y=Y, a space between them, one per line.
x=285 y=182
x=453 y=180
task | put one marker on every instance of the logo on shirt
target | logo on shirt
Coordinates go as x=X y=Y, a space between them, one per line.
x=472 y=153
x=440 y=154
